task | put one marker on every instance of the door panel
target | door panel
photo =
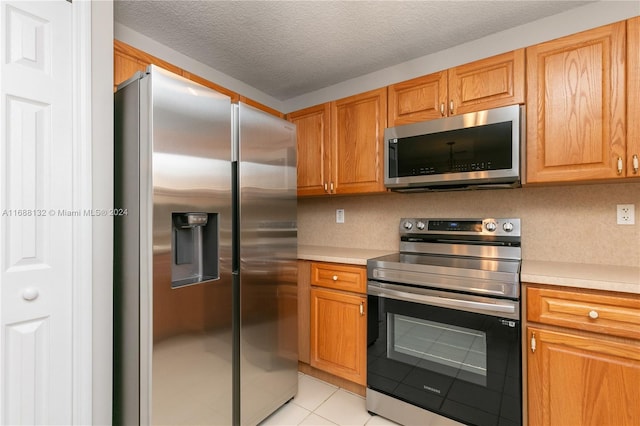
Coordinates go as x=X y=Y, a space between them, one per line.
x=36 y=217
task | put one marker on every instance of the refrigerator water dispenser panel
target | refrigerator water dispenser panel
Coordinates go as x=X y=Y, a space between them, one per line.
x=194 y=248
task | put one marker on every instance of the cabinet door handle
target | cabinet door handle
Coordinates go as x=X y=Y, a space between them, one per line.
x=335 y=278
x=533 y=342
x=331 y=187
x=451 y=107
x=361 y=308
x=593 y=314
x=326 y=187
x=635 y=163
x=619 y=165
x=442 y=109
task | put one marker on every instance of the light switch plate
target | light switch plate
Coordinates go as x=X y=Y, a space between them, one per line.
x=339 y=215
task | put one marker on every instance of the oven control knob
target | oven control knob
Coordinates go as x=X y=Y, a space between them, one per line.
x=508 y=227
x=490 y=226
x=408 y=225
x=420 y=225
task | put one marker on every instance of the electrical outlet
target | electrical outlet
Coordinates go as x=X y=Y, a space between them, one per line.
x=626 y=214
x=339 y=215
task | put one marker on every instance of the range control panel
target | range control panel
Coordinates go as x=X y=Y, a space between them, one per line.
x=489 y=226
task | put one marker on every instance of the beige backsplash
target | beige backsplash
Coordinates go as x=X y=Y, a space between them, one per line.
x=574 y=223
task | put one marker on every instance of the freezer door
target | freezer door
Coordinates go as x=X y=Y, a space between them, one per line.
x=189 y=157
x=268 y=270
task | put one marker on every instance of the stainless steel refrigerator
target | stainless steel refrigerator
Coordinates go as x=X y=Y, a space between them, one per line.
x=205 y=291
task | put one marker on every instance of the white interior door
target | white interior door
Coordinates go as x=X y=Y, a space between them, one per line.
x=36 y=199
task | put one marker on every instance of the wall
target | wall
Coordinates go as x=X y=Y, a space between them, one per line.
x=561 y=223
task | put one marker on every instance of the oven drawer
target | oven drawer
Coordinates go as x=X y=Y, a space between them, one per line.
x=340 y=277
x=617 y=315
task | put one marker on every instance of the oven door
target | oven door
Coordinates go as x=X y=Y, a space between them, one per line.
x=448 y=359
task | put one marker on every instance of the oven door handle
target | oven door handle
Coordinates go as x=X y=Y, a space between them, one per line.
x=490 y=308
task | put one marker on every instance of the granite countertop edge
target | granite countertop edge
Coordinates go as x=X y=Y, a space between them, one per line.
x=624 y=279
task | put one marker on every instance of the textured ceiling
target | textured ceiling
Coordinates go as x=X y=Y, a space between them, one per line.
x=289 y=48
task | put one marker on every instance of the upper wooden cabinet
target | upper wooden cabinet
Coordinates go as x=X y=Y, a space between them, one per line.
x=419 y=99
x=487 y=83
x=633 y=99
x=314 y=148
x=340 y=147
x=576 y=101
x=357 y=133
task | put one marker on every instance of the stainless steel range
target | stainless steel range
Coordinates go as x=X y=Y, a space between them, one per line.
x=444 y=324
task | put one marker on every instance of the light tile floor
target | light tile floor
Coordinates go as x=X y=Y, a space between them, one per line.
x=319 y=403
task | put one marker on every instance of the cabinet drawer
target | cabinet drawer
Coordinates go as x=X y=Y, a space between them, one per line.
x=615 y=315
x=339 y=277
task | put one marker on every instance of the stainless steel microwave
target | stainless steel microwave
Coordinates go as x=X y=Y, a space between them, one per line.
x=474 y=150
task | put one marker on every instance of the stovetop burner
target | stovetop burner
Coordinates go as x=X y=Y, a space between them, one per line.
x=479 y=256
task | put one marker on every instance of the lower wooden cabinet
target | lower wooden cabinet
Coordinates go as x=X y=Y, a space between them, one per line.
x=583 y=362
x=339 y=333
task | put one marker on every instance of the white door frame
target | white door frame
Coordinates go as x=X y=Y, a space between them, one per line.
x=82 y=226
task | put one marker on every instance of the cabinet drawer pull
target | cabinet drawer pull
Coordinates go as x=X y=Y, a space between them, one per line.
x=335 y=278
x=533 y=342
x=619 y=165
x=593 y=314
x=635 y=163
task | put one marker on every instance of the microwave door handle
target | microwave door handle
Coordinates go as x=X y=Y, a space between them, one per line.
x=444 y=302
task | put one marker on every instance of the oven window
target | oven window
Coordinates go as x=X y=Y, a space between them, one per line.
x=455 y=351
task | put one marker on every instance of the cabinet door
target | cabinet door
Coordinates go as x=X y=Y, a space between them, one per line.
x=419 y=99
x=489 y=83
x=633 y=98
x=304 y=296
x=576 y=106
x=588 y=381
x=314 y=149
x=358 y=124
x=339 y=334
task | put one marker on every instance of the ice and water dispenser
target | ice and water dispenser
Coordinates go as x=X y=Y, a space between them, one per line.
x=194 y=248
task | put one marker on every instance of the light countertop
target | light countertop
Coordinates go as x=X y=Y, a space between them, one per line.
x=597 y=277
x=350 y=256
